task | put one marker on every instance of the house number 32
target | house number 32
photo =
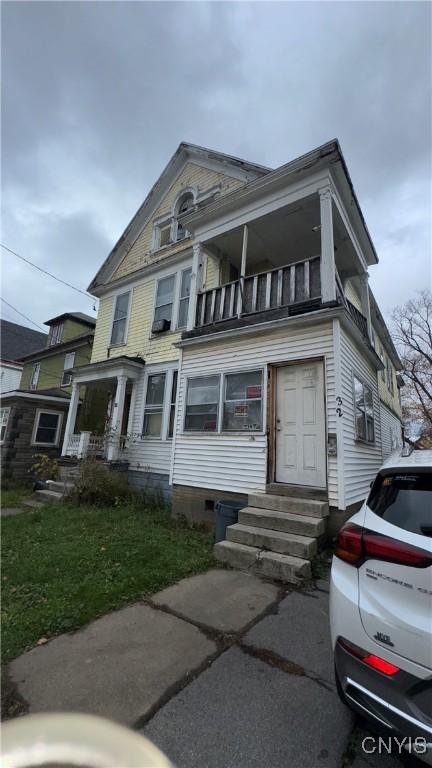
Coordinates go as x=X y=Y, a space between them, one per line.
x=339 y=408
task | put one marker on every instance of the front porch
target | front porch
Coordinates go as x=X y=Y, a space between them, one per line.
x=116 y=379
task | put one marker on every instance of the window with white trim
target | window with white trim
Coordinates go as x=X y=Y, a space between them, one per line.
x=172 y=405
x=4 y=418
x=185 y=286
x=202 y=404
x=119 y=323
x=154 y=405
x=184 y=205
x=69 y=363
x=55 y=334
x=46 y=429
x=389 y=373
x=35 y=375
x=364 y=411
x=242 y=405
x=165 y=298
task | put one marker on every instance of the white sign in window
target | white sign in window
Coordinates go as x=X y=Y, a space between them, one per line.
x=242 y=407
x=118 y=332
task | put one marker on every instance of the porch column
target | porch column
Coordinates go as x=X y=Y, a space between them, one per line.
x=116 y=418
x=194 y=285
x=365 y=301
x=328 y=270
x=242 y=270
x=71 y=417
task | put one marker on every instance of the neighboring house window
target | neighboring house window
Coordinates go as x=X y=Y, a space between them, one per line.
x=46 y=429
x=242 y=407
x=172 y=404
x=69 y=363
x=184 y=297
x=153 y=411
x=56 y=334
x=35 y=376
x=364 y=412
x=389 y=376
x=202 y=404
x=186 y=202
x=164 y=299
x=4 y=416
x=118 y=332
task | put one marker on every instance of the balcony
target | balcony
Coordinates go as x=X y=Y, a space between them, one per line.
x=292 y=288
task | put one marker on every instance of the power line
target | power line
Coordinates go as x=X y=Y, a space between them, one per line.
x=59 y=280
x=22 y=315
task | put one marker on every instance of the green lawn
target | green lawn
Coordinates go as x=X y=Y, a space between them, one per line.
x=62 y=566
x=13 y=495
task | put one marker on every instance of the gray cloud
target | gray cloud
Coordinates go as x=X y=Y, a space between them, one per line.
x=96 y=97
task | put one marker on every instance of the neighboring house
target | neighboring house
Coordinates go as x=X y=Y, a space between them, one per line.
x=238 y=335
x=33 y=415
x=16 y=341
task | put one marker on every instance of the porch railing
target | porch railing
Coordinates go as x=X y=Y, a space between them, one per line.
x=88 y=444
x=280 y=287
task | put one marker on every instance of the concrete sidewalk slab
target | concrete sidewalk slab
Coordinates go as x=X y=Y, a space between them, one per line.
x=11 y=511
x=242 y=713
x=223 y=600
x=300 y=632
x=118 y=666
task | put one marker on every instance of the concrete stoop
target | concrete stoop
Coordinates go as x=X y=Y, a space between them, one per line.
x=276 y=536
x=55 y=491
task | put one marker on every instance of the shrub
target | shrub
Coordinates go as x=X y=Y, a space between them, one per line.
x=44 y=467
x=96 y=486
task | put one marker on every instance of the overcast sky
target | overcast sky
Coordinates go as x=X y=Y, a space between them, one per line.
x=97 y=96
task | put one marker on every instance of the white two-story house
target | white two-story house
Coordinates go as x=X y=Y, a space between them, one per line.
x=237 y=333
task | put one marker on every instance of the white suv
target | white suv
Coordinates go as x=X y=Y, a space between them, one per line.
x=381 y=601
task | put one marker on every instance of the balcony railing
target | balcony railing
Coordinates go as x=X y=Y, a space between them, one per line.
x=358 y=318
x=281 y=287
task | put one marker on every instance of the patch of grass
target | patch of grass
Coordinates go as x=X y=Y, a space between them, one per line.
x=63 y=566
x=12 y=495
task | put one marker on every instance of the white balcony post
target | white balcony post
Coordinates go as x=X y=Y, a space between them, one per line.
x=242 y=270
x=84 y=444
x=195 y=286
x=116 y=418
x=328 y=269
x=71 y=417
x=365 y=302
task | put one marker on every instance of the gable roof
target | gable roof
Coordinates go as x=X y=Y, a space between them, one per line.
x=80 y=316
x=59 y=349
x=18 y=340
x=185 y=152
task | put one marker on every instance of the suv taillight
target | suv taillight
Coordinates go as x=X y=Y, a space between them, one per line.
x=356 y=544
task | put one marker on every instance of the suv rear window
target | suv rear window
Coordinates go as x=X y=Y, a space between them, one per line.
x=404 y=499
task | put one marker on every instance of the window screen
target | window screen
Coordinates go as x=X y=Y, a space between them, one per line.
x=242 y=408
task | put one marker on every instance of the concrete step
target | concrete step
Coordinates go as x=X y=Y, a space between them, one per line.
x=272 y=565
x=48 y=497
x=307 y=507
x=282 y=521
x=61 y=486
x=275 y=541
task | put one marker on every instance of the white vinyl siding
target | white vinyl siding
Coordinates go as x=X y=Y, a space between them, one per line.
x=238 y=462
x=361 y=460
x=391 y=431
x=10 y=377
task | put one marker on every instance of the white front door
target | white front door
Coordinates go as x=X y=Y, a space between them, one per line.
x=300 y=425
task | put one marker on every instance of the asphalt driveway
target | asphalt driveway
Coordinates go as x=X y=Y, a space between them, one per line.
x=222 y=670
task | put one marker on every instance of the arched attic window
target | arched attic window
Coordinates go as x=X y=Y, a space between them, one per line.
x=184 y=204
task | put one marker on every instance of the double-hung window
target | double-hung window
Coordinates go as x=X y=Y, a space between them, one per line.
x=202 y=404
x=184 y=297
x=165 y=299
x=35 y=375
x=4 y=417
x=121 y=308
x=56 y=333
x=364 y=411
x=172 y=404
x=47 y=428
x=69 y=363
x=242 y=407
x=154 y=405
x=389 y=376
